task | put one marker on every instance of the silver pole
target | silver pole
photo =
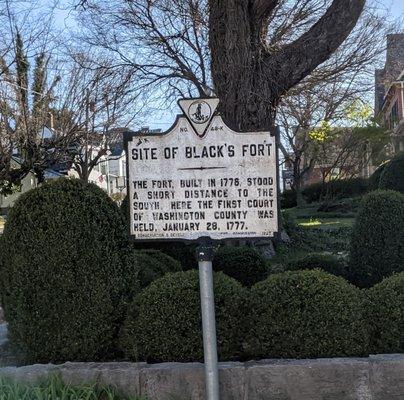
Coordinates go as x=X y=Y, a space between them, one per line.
x=208 y=323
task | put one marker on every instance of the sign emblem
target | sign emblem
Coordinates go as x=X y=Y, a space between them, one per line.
x=199 y=112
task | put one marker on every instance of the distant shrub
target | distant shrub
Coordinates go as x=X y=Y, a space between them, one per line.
x=288 y=199
x=314 y=192
x=154 y=264
x=184 y=253
x=377 y=246
x=305 y=314
x=392 y=176
x=245 y=264
x=338 y=188
x=64 y=279
x=386 y=315
x=164 y=323
x=326 y=262
x=342 y=207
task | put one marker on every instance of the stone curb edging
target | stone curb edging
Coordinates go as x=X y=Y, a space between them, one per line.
x=378 y=377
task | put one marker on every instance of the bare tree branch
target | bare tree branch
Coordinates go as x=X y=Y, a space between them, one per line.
x=298 y=59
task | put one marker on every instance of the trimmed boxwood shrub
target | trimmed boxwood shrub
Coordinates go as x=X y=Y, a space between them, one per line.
x=386 y=315
x=184 y=253
x=64 y=281
x=327 y=262
x=164 y=322
x=392 y=176
x=245 y=264
x=154 y=264
x=377 y=245
x=305 y=314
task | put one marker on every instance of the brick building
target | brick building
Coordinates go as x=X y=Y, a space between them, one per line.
x=389 y=91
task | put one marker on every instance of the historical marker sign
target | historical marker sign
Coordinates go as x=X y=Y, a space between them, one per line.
x=202 y=179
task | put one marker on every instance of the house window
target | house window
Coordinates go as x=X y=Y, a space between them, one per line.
x=103 y=168
x=394 y=116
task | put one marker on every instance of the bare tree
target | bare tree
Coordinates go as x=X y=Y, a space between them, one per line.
x=25 y=96
x=166 y=42
x=60 y=112
x=259 y=49
x=320 y=132
x=27 y=86
x=326 y=95
x=98 y=100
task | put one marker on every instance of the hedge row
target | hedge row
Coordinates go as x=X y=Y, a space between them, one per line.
x=68 y=275
x=298 y=314
x=388 y=176
x=335 y=189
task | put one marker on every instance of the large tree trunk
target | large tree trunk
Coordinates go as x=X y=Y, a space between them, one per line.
x=248 y=78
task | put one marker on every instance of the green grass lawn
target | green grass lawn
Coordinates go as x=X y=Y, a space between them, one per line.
x=325 y=223
x=316 y=232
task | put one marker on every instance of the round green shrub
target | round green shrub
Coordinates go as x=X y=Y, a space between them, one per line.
x=245 y=264
x=164 y=322
x=386 y=315
x=306 y=314
x=327 y=262
x=154 y=264
x=185 y=253
x=64 y=281
x=392 y=176
x=377 y=246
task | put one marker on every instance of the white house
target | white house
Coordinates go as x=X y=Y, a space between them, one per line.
x=27 y=183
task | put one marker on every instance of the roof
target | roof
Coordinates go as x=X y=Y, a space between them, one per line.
x=52 y=174
x=49 y=173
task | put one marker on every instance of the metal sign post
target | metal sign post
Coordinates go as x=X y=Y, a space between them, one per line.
x=202 y=181
x=205 y=255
